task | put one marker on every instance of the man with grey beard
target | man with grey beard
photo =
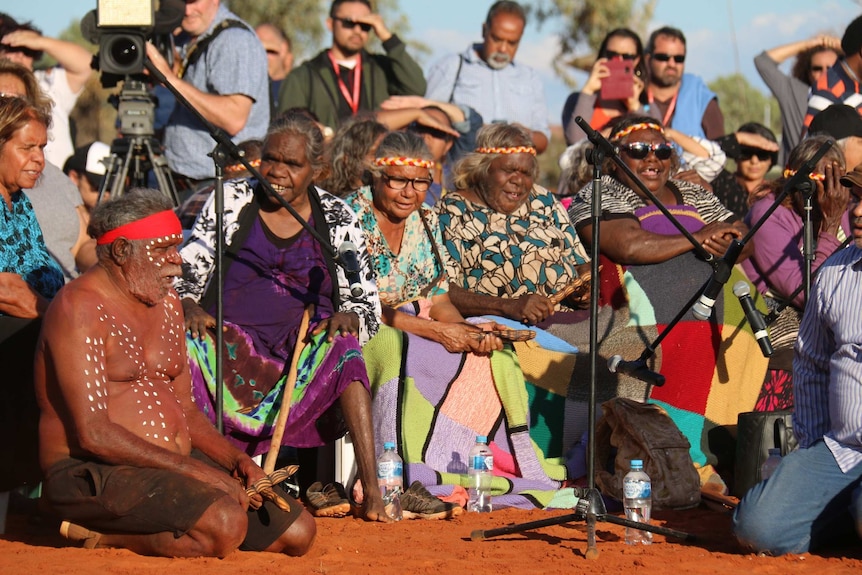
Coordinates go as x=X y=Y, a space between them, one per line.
x=486 y=77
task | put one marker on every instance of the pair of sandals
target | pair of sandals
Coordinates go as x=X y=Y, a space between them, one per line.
x=417 y=502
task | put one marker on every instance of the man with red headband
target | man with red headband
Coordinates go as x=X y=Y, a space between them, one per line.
x=129 y=460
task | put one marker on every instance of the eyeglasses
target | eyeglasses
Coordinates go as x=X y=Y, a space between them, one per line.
x=272 y=52
x=747 y=153
x=399 y=183
x=348 y=23
x=662 y=57
x=610 y=55
x=640 y=150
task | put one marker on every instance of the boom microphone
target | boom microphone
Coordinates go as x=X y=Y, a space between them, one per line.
x=350 y=262
x=636 y=369
x=702 y=309
x=754 y=317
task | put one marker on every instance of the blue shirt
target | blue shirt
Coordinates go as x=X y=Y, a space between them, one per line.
x=827 y=368
x=234 y=63
x=22 y=248
x=513 y=94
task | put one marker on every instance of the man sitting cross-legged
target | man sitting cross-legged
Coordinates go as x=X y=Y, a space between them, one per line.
x=124 y=448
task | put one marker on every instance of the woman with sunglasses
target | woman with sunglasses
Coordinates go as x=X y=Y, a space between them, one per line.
x=621 y=45
x=628 y=231
x=435 y=361
x=813 y=57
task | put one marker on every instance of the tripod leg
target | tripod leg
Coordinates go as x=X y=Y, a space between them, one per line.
x=480 y=535
x=162 y=173
x=592 y=551
x=647 y=527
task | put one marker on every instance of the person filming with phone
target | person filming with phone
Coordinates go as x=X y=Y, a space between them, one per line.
x=614 y=87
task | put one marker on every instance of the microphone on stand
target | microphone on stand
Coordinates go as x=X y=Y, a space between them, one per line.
x=350 y=262
x=754 y=317
x=636 y=369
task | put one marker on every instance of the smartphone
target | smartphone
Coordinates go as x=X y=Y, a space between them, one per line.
x=620 y=84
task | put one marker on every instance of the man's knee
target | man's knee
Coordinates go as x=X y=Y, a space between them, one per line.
x=299 y=537
x=222 y=528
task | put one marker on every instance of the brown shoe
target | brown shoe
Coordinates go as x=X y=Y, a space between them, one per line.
x=418 y=503
x=88 y=539
x=329 y=501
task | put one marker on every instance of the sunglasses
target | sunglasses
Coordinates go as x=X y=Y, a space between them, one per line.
x=662 y=57
x=640 y=150
x=348 y=23
x=399 y=183
x=818 y=68
x=762 y=155
x=610 y=55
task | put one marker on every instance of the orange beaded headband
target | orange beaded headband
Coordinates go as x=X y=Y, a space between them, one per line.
x=788 y=173
x=636 y=127
x=404 y=161
x=158 y=225
x=509 y=150
x=236 y=168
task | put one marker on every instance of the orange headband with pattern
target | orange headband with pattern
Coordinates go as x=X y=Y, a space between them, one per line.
x=404 y=161
x=636 y=127
x=158 y=225
x=788 y=173
x=509 y=150
x=236 y=168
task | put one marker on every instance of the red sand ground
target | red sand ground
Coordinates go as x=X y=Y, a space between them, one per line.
x=415 y=547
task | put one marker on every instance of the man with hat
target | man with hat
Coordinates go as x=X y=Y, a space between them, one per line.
x=844 y=124
x=840 y=83
x=86 y=168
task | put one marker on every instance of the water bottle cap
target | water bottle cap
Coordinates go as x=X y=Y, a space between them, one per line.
x=389 y=445
x=637 y=463
x=774 y=451
x=481 y=439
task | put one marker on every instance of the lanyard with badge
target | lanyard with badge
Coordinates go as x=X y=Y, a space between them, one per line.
x=352 y=99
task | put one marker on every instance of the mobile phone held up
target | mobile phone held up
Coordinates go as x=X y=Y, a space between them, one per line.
x=620 y=84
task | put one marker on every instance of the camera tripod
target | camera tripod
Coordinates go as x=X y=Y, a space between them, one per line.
x=137 y=152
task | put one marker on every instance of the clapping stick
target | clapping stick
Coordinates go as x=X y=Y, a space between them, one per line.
x=290 y=384
x=580 y=283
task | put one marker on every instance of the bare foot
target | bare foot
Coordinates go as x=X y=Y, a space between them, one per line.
x=373 y=510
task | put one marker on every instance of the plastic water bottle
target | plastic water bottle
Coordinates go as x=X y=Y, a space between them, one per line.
x=390 y=478
x=637 y=500
x=481 y=470
x=768 y=467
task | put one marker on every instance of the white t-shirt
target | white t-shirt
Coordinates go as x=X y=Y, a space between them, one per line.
x=55 y=84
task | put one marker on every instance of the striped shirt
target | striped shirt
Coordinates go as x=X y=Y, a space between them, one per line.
x=827 y=367
x=837 y=86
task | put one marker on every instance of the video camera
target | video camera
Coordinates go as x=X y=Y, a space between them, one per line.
x=121 y=28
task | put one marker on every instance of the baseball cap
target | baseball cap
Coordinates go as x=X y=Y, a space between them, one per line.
x=838 y=121
x=88 y=160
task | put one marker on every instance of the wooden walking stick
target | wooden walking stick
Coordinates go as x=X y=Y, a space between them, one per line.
x=290 y=384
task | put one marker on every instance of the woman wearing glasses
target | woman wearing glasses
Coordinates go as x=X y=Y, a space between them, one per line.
x=813 y=57
x=620 y=45
x=436 y=362
x=656 y=272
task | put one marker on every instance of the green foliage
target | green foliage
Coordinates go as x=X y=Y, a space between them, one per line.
x=741 y=102
x=583 y=25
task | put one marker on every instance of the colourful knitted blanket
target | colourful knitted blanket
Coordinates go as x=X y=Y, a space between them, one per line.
x=433 y=404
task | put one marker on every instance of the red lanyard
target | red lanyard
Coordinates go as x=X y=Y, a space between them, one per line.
x=352 y=99
x=669 y=114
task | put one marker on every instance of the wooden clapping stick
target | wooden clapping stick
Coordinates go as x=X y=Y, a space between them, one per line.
x=577 y=284
x=290 y=384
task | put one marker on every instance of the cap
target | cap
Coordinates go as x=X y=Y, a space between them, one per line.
x=389 y=445
x=637 y=463
x=481 y=439
x=89 y=160
x=853 y=177
x=838 y=121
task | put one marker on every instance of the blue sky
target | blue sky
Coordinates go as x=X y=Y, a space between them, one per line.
x=450 y=25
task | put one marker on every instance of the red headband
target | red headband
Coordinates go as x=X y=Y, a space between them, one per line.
x=158 y=225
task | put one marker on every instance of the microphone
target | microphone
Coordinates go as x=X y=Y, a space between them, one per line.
x=636 y=369
x=754 y=317
x=350 y=262
x=702 y=308
x=596 y=138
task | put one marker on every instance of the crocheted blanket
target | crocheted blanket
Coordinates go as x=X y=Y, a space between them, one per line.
x=433 y=404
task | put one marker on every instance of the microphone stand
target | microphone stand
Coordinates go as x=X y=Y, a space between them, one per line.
x=224 y=151
x=591 y=507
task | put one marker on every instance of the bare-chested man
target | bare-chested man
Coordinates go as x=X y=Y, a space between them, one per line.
x=126 y=452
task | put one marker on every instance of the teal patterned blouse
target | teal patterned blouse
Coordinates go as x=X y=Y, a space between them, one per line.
x=415 y=272
x=22 y=247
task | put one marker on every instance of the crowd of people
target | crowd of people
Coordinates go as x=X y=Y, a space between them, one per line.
x=385 y=262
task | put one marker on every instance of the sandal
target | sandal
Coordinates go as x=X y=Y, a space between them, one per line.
x=329 y=501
